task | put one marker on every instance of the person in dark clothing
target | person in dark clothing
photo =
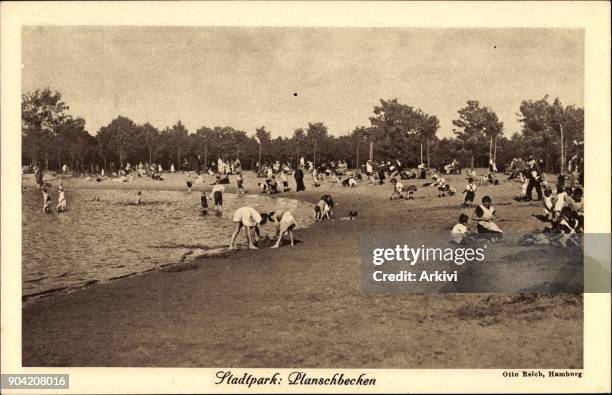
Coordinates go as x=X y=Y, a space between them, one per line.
x=198 y=165
x=39 y=176
x=535 y=179
x=299 y=180
x=381 y=175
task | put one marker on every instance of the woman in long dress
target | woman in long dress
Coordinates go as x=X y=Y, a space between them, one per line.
x=299 y=179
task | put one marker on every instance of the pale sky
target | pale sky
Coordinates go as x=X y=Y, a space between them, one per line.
x=246 y=77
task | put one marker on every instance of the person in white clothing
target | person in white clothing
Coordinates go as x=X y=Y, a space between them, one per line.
x=61 y=199
x=460 y=232
x=485 y=215
x=250 y=219
x=285 y=223
x=563 y=199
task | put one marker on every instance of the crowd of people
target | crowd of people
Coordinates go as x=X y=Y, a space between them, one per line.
x=562 y=204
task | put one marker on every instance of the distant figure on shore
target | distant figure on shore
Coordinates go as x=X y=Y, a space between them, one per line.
x=138 y=199
x=470 y=193
x=38 y=176
x=250 y=219
x=204 y=204
x=285 y=182
x=61 y=199
x=240 y=184
x=172 y=168
x=46 y=202
x=299 y=180
x=189 y=185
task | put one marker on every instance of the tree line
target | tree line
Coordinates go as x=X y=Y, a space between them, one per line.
x=52 y=137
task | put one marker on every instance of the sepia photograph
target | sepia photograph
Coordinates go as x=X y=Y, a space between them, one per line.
x=346 y=198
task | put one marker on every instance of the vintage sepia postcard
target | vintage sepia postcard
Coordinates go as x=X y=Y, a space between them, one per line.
x=304 y=197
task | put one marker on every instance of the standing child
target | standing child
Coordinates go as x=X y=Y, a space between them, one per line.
x=138 y=198
x=441 y=184
x=61 y=199
x=204 y=204
x=285 y=182
x=470 y=193
x=240 y=183
x=46 y=202
x=217 y=191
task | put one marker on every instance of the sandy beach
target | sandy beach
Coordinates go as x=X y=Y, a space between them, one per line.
x=303 y=306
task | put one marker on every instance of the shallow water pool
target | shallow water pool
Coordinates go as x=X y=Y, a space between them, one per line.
x=101 y=240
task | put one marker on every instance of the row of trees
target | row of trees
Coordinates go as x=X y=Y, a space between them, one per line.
x=52 y=136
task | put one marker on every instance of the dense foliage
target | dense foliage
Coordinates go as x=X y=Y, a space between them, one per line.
x=51 y=137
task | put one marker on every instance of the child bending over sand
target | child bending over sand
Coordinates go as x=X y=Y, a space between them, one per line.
x=285 y=223
x=321 y=210
x=250 y=219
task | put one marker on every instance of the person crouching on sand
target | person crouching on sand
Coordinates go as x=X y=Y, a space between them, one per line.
x=485 y=215
x=321 y=210
x=248 y=218
x=285 y=223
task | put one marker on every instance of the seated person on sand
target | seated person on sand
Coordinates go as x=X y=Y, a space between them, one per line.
x=397 y=190
x=492 y=179
x=250 y=219
x=547 y=200
x=349 y=182
x=485 y=215
x=285 y=223
x=272 y=185
x=563 y=199
x=460 y=234
x=444 y=189
x=565 y=228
